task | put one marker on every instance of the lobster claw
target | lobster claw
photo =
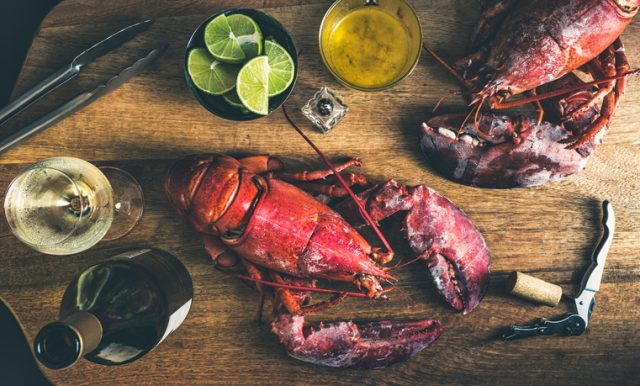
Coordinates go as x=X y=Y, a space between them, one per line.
x=439 y=233
x=347 y=344
x=454 y=249
x=505 y=152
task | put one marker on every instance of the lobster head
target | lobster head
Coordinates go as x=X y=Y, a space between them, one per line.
x=201 y=188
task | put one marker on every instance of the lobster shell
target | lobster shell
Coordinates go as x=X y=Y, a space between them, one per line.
x=543 y=40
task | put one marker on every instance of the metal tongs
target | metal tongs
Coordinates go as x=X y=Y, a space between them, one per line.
x=69 y=72
x=575 y=323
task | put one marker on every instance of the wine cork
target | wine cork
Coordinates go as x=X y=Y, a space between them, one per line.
x=533 y=289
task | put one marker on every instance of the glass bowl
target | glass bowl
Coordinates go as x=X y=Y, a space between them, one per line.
x=401 y=10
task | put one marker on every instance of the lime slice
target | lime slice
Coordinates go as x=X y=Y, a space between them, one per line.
x=253 y=85
x=232 y=99
x=210 y=75
x=282 y=67
x=233 y=39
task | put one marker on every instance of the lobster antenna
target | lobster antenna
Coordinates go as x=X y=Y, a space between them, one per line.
x=464 y=121
x=475 y=111
x=324 y=159
x=290 y=286
x=404 y=264
x=533 y=98
x=475 y=116
x=442 y=98
x=555 y=93
x=446 y=66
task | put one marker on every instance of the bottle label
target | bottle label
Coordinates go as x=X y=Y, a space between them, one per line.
x=118 y=353
x=176 y=319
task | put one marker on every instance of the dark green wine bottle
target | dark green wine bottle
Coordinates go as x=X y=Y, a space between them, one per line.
x=117 y=311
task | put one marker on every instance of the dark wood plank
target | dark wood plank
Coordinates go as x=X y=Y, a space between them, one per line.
x=547 y=231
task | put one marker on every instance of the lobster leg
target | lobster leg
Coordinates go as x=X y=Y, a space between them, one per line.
x=335 y=190
x=599 y=68
x=295 y=302
x=538 y=105
x=324 y=305
x=332 y=191
x=265 y=163
x=609 y=67
x=608 y=108
x=219 y=252
x=291 y=300
x=255 y=273
x=262 y=163
x=356 y=179
x=226 y=259
x=622 y=67
x=313 y=175
x=286 y=296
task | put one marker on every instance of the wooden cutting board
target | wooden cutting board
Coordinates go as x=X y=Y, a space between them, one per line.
x=547 y=231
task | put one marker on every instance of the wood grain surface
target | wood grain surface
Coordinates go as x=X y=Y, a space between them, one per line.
x=547 y=231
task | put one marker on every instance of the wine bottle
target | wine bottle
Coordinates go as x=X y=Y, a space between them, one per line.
x=117 y=311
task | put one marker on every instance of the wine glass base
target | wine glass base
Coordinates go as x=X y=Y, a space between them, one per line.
x=128 y=202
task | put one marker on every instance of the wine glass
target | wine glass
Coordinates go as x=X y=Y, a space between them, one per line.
x=66 y=205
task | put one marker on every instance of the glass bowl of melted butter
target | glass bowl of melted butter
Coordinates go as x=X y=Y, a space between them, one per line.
x=370 y=45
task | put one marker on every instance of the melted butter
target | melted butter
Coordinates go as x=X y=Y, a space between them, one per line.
x=369 y=48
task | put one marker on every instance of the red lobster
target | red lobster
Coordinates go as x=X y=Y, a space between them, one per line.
x=533 y=47
x=286 y=238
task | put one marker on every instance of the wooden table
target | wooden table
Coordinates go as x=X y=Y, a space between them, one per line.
x=547 y=231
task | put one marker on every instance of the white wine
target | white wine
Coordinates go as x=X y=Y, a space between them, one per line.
x=117 y=311
x=60 y=205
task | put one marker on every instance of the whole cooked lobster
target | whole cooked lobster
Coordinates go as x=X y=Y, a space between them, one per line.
x=533 y=47
x=287 y=239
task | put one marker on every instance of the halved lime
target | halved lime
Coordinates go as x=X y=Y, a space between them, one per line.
x=234 y=101
x=234 y=38
x=210 y=75
x=282 y=67
x=253 y=85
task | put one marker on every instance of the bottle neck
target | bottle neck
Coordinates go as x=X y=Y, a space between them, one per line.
x=61 y=344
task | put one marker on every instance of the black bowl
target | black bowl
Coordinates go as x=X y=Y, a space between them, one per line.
x=270 y=27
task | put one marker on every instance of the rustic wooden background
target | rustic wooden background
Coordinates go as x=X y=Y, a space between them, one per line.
x=547 y=231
